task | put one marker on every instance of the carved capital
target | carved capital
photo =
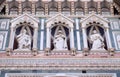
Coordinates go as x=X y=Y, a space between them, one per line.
x=8 y=51
x=34 y=51
x=47 y=51
x=111 y=51
x=85 y=51
x=73 y=51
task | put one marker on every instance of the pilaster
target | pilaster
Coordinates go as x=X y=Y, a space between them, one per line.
x=33 y=7
x=7 y=8
x=35 y=38
x=99 y=7
x=111 y=9
x=46 y=9
x=59 y=7
x=84 y=38
x=48 y=38
x=12 y=33
x=72 y=8
x=72 y=38
x=86 y=7
x=108 y=38
x=20 y=8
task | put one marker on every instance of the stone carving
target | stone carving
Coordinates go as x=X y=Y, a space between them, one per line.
x=60 y=42
x=24 y=41
x=97 y=41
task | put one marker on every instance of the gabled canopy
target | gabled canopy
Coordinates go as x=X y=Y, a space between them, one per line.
x=25 y=18
x=94 y=18
x=60 y=18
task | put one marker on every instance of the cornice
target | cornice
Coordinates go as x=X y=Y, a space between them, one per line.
x=60 y=64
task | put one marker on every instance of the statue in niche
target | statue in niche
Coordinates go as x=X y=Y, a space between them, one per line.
x=97 y=41
x=24 y=40
x=59 y=41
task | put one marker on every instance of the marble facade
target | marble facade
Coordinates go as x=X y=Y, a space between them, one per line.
x=59 y=39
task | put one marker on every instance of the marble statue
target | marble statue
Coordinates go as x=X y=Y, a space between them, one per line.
x=24 y=40
x=60 y=42
x=96 y=40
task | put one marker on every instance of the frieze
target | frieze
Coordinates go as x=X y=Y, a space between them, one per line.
x=60 y=63
x=60 y=75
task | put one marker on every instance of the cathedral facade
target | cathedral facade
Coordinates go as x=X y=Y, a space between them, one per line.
x=59 y=38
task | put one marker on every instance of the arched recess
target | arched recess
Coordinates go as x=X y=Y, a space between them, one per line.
x=18 y=25
x=100 y=24
x=56 y=24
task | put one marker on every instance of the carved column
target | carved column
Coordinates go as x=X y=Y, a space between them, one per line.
x=48 y=38
x=84 y=38
x=71 y=38
x=34 y=49
x=85 y=49
x=35 y=38
x=73 y=50
x=108 y=38
x=110 y=48
x=47 y=50
x=12 y=34
x=11 y=41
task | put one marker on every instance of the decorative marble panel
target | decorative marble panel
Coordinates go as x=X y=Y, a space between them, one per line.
x=3 y=38
x=4 y=24
x=116 y=36
x=115 y=24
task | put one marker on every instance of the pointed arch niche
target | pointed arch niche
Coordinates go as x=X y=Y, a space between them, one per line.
x=60 y=24
x=18 y=25
x=100 y=24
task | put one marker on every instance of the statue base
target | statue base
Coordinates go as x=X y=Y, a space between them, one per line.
x=22 y=52
x=60 y=52
x=98 y=50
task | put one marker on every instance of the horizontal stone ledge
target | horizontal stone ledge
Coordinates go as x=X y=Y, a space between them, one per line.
x=59 y=68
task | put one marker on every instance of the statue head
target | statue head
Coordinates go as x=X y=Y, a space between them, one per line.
x=59 y=32
x=94 y=31
x=24 y=31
